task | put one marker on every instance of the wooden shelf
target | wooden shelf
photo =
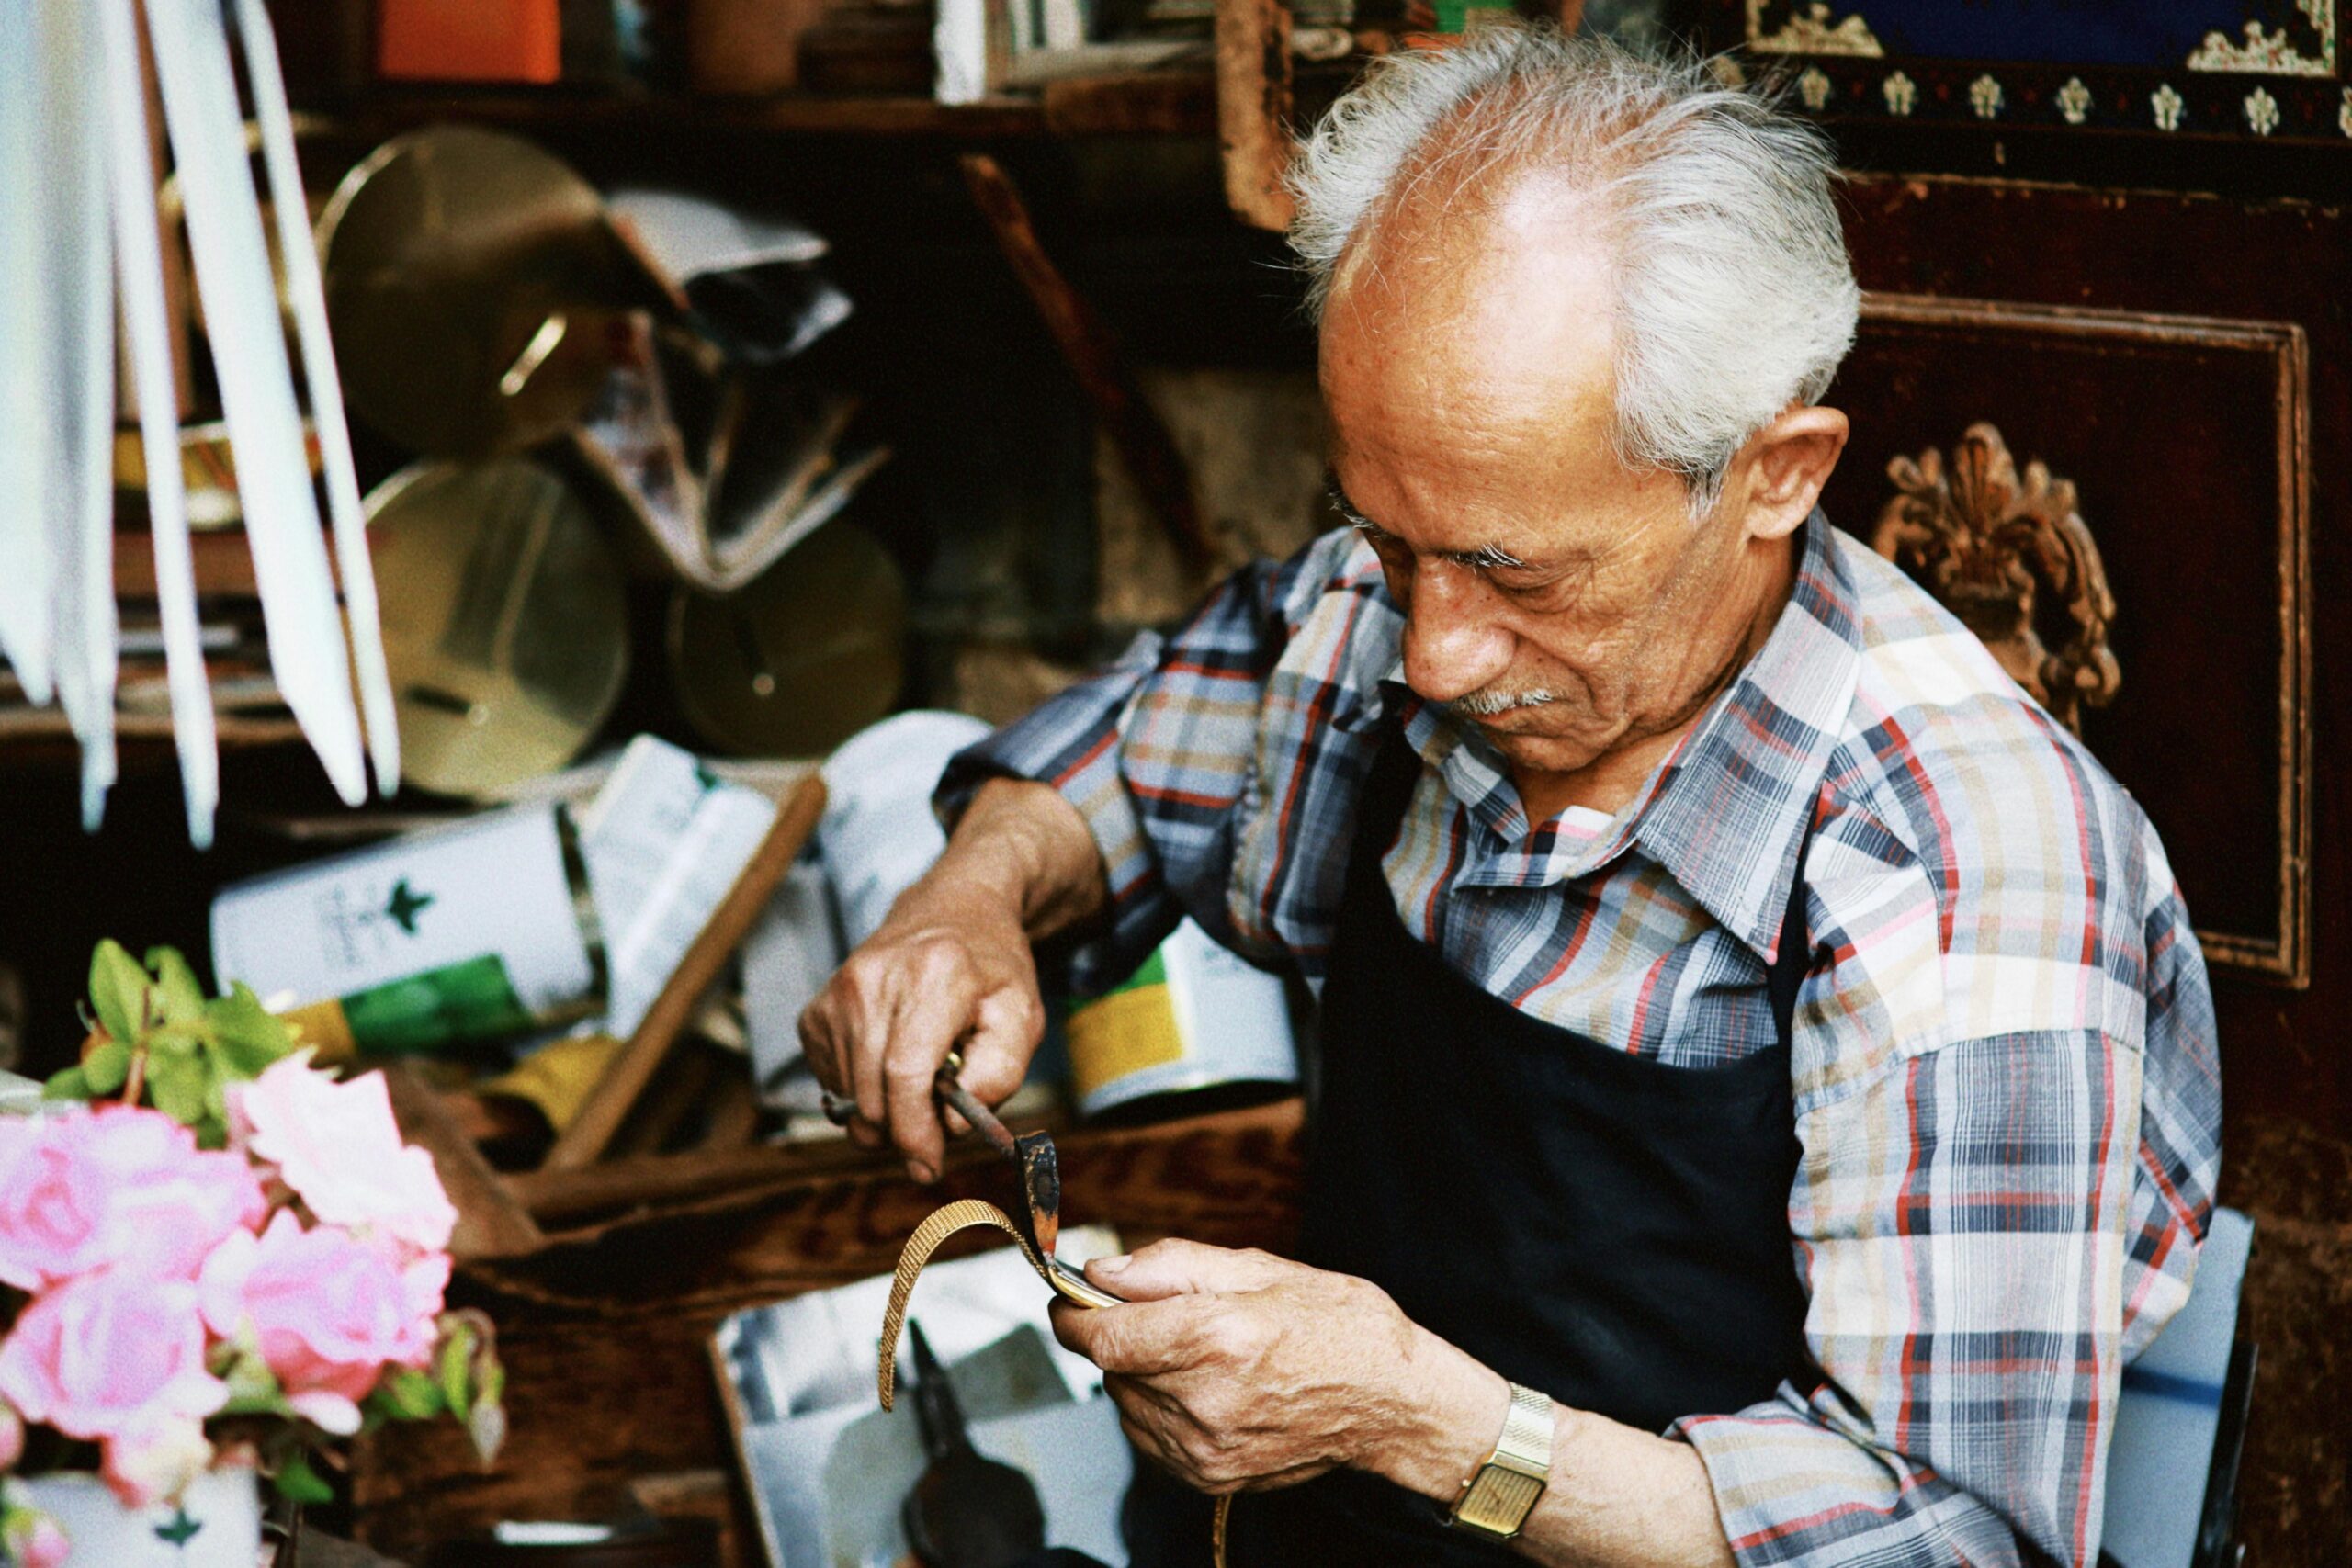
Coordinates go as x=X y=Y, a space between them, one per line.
x=1144 y=103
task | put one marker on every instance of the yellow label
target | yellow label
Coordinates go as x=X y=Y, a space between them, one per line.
x=1124 y=1032
x=557 y=1077
x=323 y=1025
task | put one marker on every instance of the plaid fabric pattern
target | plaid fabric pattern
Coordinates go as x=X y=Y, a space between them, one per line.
x=2006 y=1078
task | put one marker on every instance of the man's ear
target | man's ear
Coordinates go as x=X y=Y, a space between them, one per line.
x=1782 y=470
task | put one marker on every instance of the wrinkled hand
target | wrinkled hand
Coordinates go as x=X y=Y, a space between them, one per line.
x=950 y=970
x=1241 y=1371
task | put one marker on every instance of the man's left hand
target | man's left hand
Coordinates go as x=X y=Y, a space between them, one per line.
x=1242 y=1370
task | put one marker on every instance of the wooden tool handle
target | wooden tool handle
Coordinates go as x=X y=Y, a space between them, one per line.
x=608 y=1104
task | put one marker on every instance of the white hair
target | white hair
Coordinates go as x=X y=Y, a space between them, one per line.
x=1735 y=295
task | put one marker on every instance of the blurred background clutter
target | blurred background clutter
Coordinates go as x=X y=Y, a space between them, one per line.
x=571 y=471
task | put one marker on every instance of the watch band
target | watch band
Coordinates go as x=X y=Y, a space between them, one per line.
x=1496 y=1500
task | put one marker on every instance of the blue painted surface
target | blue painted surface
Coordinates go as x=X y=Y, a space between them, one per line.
x=2165 y=1385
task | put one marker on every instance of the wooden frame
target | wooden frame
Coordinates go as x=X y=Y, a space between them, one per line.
x=2281 y=956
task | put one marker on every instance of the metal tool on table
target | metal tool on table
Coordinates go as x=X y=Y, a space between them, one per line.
x=1038 y=1224
x=967 y=1510
x=1037 y=1229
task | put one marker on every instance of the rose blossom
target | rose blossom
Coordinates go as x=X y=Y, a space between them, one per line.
x=156 y=1458
x=33 y=1540
x=327 y=1310
x=340 y=1150
x=89 y=1189
x=95 y=1355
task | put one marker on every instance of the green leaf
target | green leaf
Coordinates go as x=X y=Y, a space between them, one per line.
x=245 y=1037
x=67 y=1085
x=252 y=1388
x=178 y=995
x=413 y=1395
x=105 y=1069
x=118 y=990
x=455 y=1366
x=176 y=1085
x=181 y=1039
x=298 y=1482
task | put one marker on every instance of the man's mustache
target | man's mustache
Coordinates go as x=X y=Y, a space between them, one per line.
x=1494 y=700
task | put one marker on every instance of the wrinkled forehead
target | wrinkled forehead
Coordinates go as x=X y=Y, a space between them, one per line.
x=1493 y=304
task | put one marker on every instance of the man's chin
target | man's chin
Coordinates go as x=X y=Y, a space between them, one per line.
x=1528 y=740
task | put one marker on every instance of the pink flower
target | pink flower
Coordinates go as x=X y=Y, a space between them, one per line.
x=340 y=1150
x=327 y=1310
x=153 y=1459
x=33 y=1540
x=89 y=1189
x=100 y=1354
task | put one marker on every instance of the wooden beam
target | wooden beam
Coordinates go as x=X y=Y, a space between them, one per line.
x=492 y=1223
x=608 y=1104
x=1091 y=351
x=1253 y=108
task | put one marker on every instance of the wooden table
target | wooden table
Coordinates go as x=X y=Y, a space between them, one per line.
x=605 y=1331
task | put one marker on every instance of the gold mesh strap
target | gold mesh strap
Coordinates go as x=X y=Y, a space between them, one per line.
x=1527 y=1429
x=961 y=1215
x=966 y=1213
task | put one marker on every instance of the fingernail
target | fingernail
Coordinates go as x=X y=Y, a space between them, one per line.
x=1111 y=1264
x=921 y=1172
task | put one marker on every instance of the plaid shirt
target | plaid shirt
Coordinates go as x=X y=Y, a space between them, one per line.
x=2005 y=1081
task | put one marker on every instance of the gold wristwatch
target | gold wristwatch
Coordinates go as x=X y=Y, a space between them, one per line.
x=1496 y=1502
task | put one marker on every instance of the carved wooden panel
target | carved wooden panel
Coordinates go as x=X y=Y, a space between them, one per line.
x=2013 y=558
x=2254 y=71
x=2185 y=439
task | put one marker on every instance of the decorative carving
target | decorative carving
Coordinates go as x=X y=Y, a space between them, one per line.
x=2269 y=812
x=1901 y=92
x=1814 y=88
x=2167 y=105
x=1984 y=96
x=1811 y=32
x=2261 y=112
x=2273 y=54
x=1988 y=548
x=2073 y=100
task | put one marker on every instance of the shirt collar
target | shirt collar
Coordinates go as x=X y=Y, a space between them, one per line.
x=1726 y=812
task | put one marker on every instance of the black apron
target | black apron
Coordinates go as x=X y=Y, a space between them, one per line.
x=1600 y=1227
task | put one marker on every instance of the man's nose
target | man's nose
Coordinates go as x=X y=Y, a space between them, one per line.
x=1453 y=643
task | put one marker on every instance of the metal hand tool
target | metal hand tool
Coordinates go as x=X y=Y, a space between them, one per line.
x=1039 y=1221
x=967 y=1510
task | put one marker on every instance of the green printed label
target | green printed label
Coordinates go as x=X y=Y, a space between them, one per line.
x=452 y=1005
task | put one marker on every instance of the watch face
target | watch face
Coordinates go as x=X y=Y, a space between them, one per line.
x=1499 y=1500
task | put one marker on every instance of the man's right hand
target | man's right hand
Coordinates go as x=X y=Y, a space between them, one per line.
x=951 y=970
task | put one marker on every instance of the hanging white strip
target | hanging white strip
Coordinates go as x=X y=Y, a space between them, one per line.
x=25 y=409
x=306 y=646
x=146 y=327
x=79 y=315
x=301 y=254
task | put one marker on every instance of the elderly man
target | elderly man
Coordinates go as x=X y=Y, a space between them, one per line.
x=1768 y=1079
